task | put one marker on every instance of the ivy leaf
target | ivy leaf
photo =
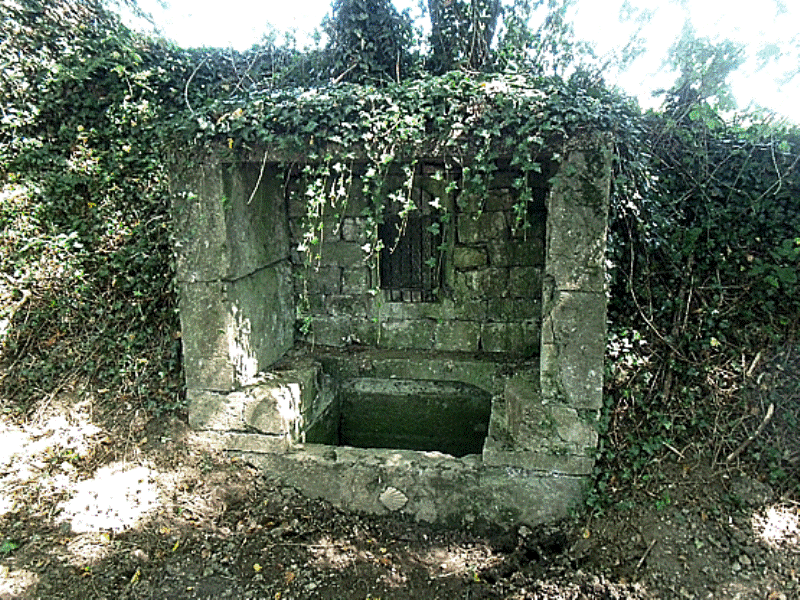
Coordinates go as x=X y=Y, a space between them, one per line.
x=8 y=546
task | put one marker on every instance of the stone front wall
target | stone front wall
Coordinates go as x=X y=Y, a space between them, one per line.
x=233 y=271
x=520 y=315
x=490 y=300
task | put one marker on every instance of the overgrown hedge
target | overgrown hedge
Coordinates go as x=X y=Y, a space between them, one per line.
x=706 y=255
x=85 y=256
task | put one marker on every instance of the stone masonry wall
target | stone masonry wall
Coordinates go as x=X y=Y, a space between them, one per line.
x=232 y=249
x=525 y=308
x=492 y=278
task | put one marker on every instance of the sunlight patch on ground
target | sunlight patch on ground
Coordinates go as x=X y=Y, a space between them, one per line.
x=459 y=561
x=43 y=440
x=115 y=499
x=778 y=526
x=14 y=583
x=6 y=503
x=13 y=439
x=40 y=454
x=44 y=457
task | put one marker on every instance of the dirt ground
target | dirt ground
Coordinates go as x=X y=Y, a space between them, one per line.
x=101 y=503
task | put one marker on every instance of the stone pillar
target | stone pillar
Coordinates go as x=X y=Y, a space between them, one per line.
x=232 y=247
x=574 y=296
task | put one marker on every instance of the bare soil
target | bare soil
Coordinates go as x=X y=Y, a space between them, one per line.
x=99 y=500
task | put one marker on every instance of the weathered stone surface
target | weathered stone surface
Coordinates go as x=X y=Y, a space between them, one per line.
x=216 y=411
x=260 y=320
x=518 y=338
x=572 y=429
x=576 y=255
x=457 y=336
x=342 y=331
x=574 y=310
x=440 y=489
x=231 y=330
x=318 y=280
x=275 y=407
x=356 y=281
x=548 y=428
x=573 y=342
x=577 y=219
x=473 y=229
x=545 y=461
x=280 y=404
x=481 y=283
x=342 y=305
x=200 y=226
x=355 y=229
x=407 y=334
x=501 y=199
x=515 y=309
x=357 y=203
x=525 y=282
x=465 y=257
x=401 y=311
x=248 y=442
x=482 y=373
x=515 y=252
x=204 y=326
x=471 y=203
x=223 y=232
x=342 y=253
x=256 y=226
x=445 y=310
x=283 y=404
x=521 y=392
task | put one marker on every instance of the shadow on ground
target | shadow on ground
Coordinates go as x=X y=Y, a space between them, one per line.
x=102 y=500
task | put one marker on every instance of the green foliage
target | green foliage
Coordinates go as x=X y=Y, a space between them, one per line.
x=85 y=257
x=704 y=243
x=704 y=68
x=462 y=33
x=705 y=224
x=369 y=41
x=538 y=38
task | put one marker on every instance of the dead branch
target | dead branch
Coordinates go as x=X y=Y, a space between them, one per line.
x=749 y=440
x=644 y=556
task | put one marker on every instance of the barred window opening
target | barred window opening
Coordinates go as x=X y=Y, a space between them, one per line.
x=411 y=261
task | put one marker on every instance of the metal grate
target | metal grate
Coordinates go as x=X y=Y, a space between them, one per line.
x=410 y=261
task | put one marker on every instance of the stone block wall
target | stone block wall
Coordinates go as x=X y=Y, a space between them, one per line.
x=520 y=315
x=233 y=271
x=574 y=292
x=490 y=298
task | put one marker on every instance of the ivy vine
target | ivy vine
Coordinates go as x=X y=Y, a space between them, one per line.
x=705 y=224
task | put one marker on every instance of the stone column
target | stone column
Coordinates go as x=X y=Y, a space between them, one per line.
x=232 y=249
x=574 y=296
